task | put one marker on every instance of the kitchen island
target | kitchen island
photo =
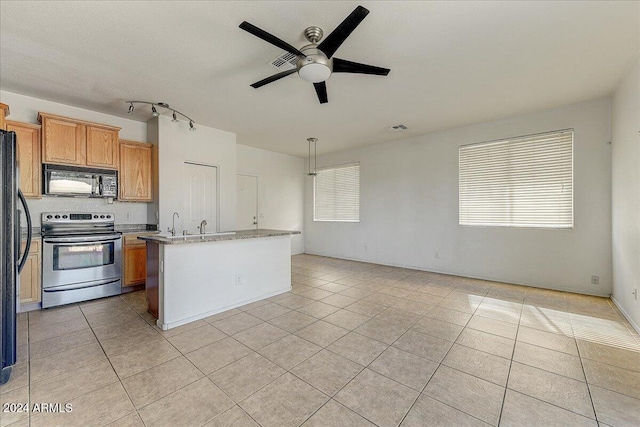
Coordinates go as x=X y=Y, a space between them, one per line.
x=193 y=277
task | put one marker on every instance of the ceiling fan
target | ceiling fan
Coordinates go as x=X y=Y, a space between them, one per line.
x=315 y=62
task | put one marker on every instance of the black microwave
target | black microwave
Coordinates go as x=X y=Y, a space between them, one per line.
x=79 y=182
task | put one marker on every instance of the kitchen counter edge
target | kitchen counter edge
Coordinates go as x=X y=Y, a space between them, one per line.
x=196 y=238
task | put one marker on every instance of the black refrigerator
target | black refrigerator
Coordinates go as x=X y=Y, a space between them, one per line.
x=11 y=260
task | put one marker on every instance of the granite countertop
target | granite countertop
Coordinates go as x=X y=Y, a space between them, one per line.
x=197 y=238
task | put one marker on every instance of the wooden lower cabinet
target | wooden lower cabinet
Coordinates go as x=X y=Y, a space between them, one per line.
x=30 y=287
x=135 y=265
x=134 y=260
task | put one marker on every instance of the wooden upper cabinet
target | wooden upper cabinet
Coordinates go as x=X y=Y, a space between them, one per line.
x=4 y=112
x=63 y=142
x=102 y=147
x=67 y=141
x=28 y=140
x=135 y=179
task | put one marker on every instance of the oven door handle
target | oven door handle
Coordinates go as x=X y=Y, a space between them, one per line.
x=85 y=285
x=76 y=240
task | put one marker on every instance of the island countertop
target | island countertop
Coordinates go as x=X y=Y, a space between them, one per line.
x=165 y=239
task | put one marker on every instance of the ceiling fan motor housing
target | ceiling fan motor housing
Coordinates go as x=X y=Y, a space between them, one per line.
x=314 y=67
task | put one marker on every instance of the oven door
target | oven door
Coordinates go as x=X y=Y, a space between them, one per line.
x=78 y=259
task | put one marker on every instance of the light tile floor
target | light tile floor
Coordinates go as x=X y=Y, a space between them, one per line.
x=352 y=344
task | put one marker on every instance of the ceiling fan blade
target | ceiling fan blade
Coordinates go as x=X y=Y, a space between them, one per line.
x=272 y=79
x=340 y=34
x=270 y=38
x=321 y=90
x=344 y=66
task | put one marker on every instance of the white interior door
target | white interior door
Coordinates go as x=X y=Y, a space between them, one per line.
x=200 y=197
x=247 y=202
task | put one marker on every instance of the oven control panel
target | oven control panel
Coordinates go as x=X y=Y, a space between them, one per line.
x=77 y=217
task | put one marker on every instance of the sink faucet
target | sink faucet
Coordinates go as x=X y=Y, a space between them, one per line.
x=203 y=224
x=173 y=223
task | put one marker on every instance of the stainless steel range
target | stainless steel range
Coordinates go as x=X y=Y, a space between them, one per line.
x=81 y=257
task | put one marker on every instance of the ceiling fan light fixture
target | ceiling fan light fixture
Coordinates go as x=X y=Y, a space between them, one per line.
x=314 y=72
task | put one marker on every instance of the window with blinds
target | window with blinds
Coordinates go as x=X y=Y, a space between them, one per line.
x=336 y=193
x=519 y=182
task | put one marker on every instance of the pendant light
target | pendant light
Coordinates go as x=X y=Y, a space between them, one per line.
x=312 y=172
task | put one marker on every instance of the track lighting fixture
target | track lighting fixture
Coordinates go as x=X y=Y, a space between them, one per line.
x=154 y=111
x=312 y=172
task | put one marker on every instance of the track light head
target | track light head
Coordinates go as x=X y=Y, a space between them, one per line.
x=159 y=105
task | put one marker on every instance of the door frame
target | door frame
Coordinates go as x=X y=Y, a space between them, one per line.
x=217 y=166
x=257 y=177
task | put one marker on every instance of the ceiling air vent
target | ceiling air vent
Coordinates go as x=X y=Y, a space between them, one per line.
x=284 y=62
x=396 y=128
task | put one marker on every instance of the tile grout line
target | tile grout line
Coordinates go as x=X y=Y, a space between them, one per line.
x=506 y=385
x=486 y=295
x=584 y=372
x=434 y=372
x=180 y=388
x=110 y=364
x=359 y=372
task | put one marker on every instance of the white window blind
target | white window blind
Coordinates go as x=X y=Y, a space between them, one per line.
x=337 y=193
x=520 y=182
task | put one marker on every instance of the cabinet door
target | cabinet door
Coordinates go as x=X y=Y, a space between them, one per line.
x=63 y=142
x=135 y=172
x=28 y=137
x=102 y=147
x=30 y=276
x=4 y=111
x=135 y=265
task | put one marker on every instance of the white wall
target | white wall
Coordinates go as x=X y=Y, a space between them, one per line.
x=626 y=193
x=409 y=208
x=207 y=146
x=280 y=189
x=25 y=109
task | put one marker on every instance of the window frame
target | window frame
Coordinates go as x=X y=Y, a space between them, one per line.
x=525 y=227
x=339 y=166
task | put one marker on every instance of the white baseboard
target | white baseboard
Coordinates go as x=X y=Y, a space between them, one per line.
x=167 y=326
x=626 y=315
x=459 y=274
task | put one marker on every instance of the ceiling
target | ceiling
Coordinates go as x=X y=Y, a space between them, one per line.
x=452 y=63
